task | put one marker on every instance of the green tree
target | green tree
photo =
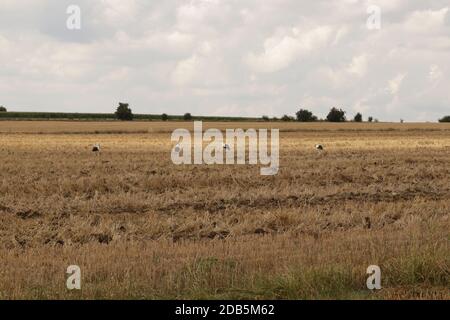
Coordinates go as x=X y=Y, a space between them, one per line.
x=370 y=119
x=336 y=115
x=3 y=109
x=287 y=118
x=164 y=117
x=445 y=119
x=358 y=117
x=265 y=118
x=187 y=116
x=124 y=112
x=304 y=115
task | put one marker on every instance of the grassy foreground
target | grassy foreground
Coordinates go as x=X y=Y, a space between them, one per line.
x=269 y=267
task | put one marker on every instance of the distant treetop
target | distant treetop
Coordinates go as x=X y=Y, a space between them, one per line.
x=445 y=119
x=287 y=118
x=358 y=117
x=3 y=109
x=336 y=115
x=304 y=115
x=124 y=112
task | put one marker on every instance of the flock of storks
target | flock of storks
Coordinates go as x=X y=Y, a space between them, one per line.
x=96 y=147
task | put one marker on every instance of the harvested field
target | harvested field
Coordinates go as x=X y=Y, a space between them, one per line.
x=141 y=227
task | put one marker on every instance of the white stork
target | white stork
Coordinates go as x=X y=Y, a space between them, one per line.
x=96 y=148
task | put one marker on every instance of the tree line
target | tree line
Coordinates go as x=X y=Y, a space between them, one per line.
x=334 y=115
x=123 y=112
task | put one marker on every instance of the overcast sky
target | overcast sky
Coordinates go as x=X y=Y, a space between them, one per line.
x=232 y=58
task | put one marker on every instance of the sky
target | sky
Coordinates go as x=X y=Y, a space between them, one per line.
x=228 y=57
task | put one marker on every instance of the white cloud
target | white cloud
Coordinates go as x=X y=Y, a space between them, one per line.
x=179 y=39
x=435 y=73
x=185 y=71
x=426 y=21
x=118 y=11
x=283 y=49
x=395 y=84
x=361 y=106
x=195 y=15
x=358 y=66
x=120 y=74
x=341 y=33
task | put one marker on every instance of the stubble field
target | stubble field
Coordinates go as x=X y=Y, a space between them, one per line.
x=141 y=227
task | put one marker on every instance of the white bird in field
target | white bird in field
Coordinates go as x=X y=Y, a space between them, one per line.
x=319 y=147
x=96 y=148
x=226 y=146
